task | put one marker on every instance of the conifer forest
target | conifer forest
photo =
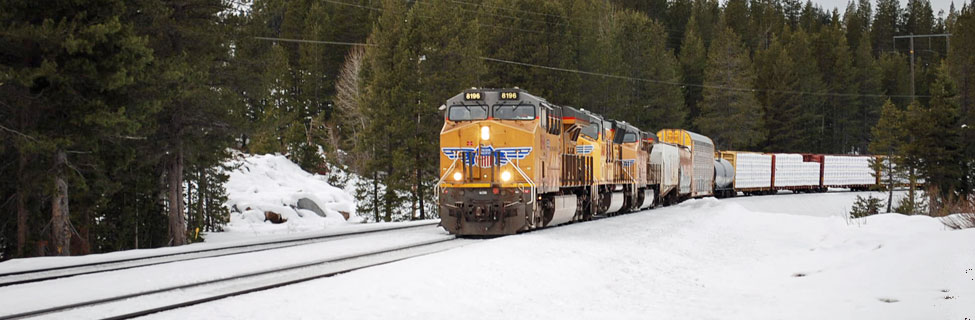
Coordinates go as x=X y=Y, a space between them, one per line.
x=117 y=118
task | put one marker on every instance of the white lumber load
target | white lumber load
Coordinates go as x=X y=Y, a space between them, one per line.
x=841 y=171
x=791 y=171
x=753 y=170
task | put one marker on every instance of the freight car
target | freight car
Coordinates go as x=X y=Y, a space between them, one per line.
x=767 y=173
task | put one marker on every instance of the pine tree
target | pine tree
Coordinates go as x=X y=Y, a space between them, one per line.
x=895 y=75
x=678 y=16
x=767 y=20
x=888 y=138
x=777 y=77
x=936 y=143
x=705 y=19
x=885 y=25
x=918 y=17
x=65 y=80
x=388 y=95
x=836 y=65
x=193 y=126
x=591 y=31
x=693 y=61
x=869 y=83
x=961 y=60
x=813 y=17
x=447 y=62
x=799 y=47
x=648 y=105
x=736 y=17
x=544 y=43
x=792 y=9
x=856 y=19
x=732 y=118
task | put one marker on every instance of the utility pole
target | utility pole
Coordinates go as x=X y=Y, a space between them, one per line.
x=913 y=94
x=947 y=37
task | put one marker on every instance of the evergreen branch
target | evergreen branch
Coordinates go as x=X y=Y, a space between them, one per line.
x=131 y=137
x=11 y=198
x=18 y=133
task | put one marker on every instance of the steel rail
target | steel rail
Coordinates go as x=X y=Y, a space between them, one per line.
x=270 y=245
x=252 y=274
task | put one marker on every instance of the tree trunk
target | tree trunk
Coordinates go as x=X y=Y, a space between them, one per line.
x=912 y=184
x=890 y=180
x=177 y=219
x=388 y=197
x=201 y=199
x=190 y=216
x=21 y=206
x=375 y=195
x=419 y=192
x=60 y=230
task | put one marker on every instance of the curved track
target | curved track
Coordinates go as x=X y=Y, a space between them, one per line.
x=51 y=273
x=178 y=296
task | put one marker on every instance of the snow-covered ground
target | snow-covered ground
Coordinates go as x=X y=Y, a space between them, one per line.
x=40 y=295
x=214 y=241
x=769 y=257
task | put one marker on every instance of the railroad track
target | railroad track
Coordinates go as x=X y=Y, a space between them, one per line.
x=143 y=303
x=58 y=272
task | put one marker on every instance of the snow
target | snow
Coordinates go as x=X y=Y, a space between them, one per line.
x=256 y=183
x=45 y=294
x=219 y=240
x=272 y=183
x=769 y=257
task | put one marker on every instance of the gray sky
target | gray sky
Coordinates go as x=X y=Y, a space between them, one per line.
x=936 y=5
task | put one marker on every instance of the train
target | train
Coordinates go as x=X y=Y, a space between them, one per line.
x=511 y=162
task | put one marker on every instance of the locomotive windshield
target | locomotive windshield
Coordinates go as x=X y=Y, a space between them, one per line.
x=591 y=131
x=629 y=137
x=467 y=112
x=514 y=112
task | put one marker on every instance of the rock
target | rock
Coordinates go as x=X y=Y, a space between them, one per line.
x=307 y=204
x=274 y=217
x=344 y=214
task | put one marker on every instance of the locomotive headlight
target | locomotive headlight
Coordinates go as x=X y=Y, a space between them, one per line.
x=485 y=133
x=458 y=176
x=506 y=176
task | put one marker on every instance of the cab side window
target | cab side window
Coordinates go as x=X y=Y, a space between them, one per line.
x=543 y=118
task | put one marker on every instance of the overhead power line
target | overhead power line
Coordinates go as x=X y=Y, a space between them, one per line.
x=316 y=41
x=833 y=94
x=613 y=76
x=589 y=22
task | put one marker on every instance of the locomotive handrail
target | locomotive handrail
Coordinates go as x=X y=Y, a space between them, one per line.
x=525 y=176
x=632 y=180
x=436 y=189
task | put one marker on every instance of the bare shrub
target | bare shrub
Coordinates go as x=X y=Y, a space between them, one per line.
x=964 y=213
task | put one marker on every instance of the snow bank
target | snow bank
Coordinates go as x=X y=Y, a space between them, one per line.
x=770 y=257
x=260 y=184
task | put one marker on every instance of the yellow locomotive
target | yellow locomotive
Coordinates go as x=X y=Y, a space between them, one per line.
x=511 y=161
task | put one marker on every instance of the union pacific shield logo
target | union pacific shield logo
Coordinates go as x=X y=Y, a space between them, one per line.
x=484 y=156
x=584 y=149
